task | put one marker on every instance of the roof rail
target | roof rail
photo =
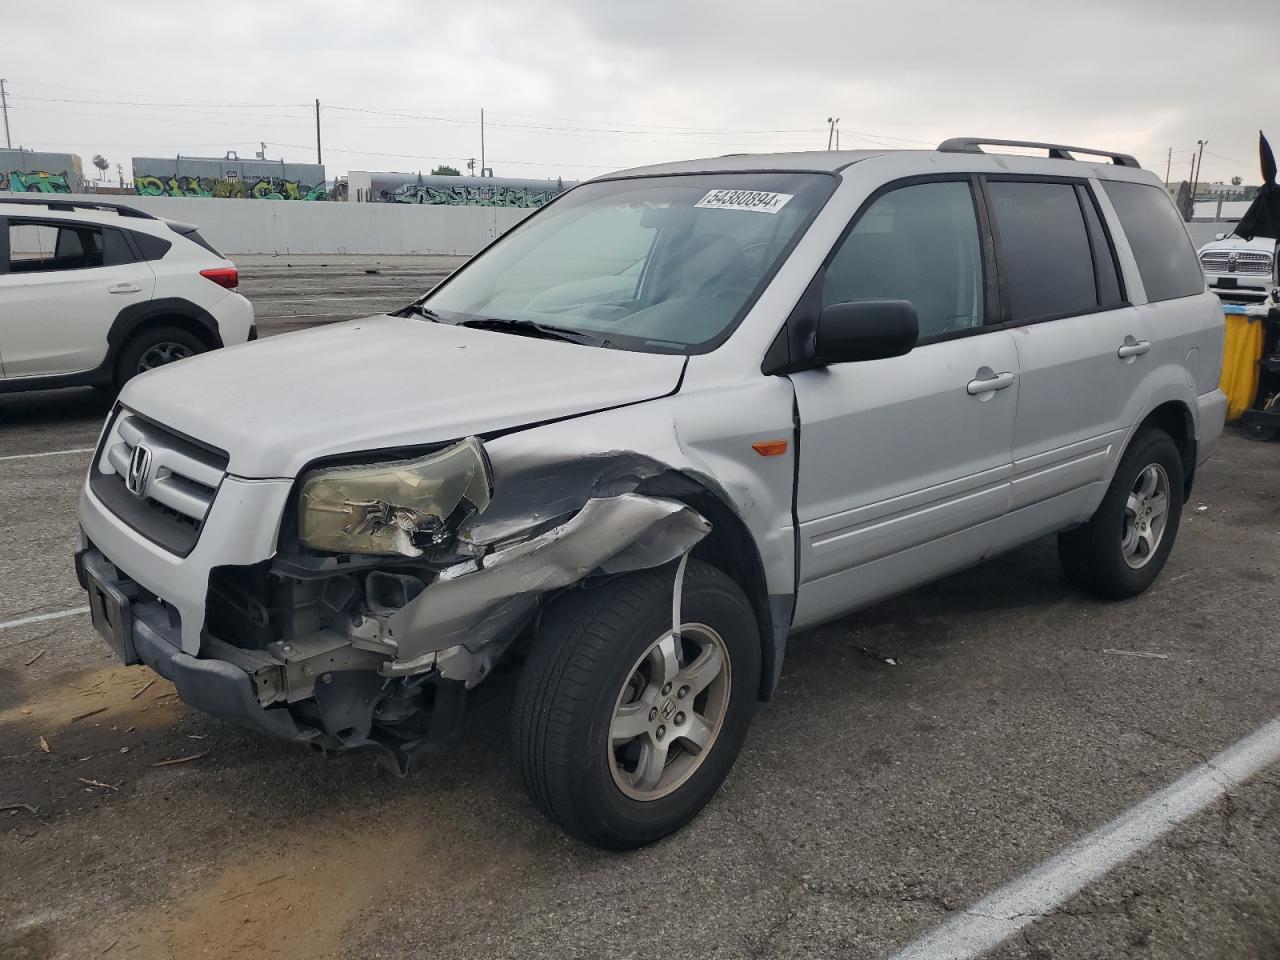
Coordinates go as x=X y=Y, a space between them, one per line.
x=1057 y=151
x=55 y=201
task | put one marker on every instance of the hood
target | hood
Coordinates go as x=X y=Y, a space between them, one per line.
x=274 y=405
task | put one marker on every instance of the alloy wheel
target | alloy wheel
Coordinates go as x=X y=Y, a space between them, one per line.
x=162 y=353
x=1146 y=511
x=669 y=712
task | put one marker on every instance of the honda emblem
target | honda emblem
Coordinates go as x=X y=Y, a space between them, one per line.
x=139 y=471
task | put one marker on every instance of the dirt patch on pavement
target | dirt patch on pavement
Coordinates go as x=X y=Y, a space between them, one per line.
x=134 y=696
x=307 y=890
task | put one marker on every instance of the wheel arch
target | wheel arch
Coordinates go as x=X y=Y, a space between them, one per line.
x=730 y=547
x=1175 y=418
x=170 y=311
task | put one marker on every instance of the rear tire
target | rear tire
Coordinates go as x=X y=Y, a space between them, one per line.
x=1124 y=546
x=154 y=347
x=600 y=657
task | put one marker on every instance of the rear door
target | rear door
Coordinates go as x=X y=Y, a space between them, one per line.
x=65 y=283
x=1082 y=348
x=904 y=463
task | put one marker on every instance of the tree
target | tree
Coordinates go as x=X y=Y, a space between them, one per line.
x=1236 y=181
x=101 y=163
x=444 y=170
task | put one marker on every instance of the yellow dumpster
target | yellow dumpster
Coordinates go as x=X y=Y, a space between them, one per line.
x=1240 y=358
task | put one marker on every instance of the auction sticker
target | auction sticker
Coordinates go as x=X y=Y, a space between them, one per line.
x=754 y=201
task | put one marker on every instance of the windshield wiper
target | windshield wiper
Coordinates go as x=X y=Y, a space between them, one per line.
x=422 y=311
x=529 y=328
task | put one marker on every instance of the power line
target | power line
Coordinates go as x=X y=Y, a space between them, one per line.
x=282 y=120
x=428 y=156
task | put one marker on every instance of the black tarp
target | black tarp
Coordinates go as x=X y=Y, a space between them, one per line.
x=1262 y=219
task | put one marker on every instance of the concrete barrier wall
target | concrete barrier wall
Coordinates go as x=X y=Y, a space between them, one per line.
x=283 y=226
x=1203 y=231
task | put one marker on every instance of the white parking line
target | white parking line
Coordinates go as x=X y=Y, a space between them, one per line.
x=995 y=918
x=46 y=453
x=42 y=617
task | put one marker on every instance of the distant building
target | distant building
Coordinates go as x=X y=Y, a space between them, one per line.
x=228 y=176
x=34 y=171
x=364 y=186
x=1224 y=191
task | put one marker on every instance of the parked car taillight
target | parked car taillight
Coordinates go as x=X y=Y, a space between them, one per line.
x=228 y=277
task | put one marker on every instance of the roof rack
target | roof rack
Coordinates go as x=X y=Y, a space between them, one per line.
x=1057 y=151
x=55 y=202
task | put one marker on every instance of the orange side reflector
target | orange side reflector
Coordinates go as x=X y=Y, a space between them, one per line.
x=770 y=448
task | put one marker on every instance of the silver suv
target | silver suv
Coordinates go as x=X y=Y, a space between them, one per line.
x=674 y=417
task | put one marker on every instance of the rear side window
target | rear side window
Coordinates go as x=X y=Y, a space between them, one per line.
x=115 y=248
x=1047 y=258
x=1166 y=260
x=38 y=247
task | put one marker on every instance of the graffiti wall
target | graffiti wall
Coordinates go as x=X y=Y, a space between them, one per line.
x=29 y=171
x=452 y=191
x=228 y=177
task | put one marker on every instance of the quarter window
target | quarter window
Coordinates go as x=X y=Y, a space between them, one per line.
x=1166 y=259
x=1047 y=260
x=917 y=243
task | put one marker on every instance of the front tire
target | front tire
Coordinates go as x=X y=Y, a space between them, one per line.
x=623 y=735
x=1124 y=546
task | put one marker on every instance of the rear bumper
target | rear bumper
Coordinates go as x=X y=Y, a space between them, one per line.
x=235 y=319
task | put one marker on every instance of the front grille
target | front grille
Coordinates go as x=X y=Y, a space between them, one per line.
x=165 y=491
x=1249 y=262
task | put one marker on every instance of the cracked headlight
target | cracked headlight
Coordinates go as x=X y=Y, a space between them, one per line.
x=394 y=508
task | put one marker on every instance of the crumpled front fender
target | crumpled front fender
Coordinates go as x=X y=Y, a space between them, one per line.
x=458 y=622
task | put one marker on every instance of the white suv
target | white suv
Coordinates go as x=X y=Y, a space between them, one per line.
x=93 y=293
x=674 y=417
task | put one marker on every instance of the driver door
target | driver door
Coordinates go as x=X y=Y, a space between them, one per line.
x=905 y=463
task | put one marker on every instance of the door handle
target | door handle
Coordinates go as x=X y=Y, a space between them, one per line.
x=988 y=382
x=1133 y=348
x=125 y=288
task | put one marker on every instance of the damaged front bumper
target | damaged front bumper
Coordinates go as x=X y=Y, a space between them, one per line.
x=354 y=669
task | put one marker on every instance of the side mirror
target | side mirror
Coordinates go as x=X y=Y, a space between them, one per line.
x=865 y=330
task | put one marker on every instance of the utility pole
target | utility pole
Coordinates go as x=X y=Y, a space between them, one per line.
x=482 y=141
x=5 y=104
x=318 y=158
x=1168 y=169
x=831 y=129
x=1195 y=177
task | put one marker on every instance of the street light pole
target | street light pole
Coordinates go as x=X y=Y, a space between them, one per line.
x=318 y=158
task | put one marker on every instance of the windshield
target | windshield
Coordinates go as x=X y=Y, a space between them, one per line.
x=661 y=264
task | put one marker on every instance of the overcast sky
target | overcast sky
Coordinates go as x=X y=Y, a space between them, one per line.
x=574 y=88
